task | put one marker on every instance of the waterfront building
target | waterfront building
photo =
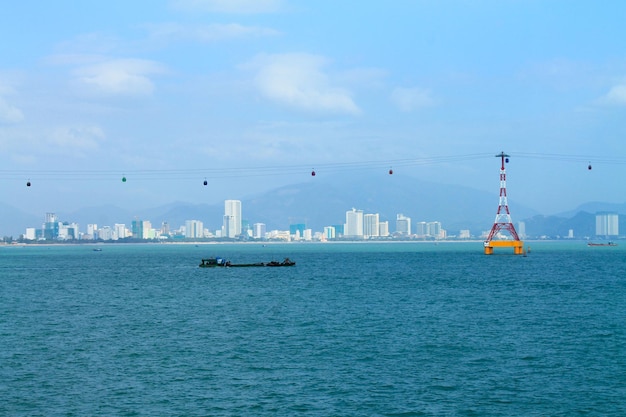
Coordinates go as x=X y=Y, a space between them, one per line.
x=194 y=229
x=92 y=229
x=120 y=231
x=434 y=229
x=137 y=229
x=51 y=227
x=607 y=224
x=280 y=235
x=165 y=229
x=403 y=224
x=31 y=233
x=354 y=223
x=297 y=230
x=142 y=229
x=67 y=231
x=383 y=228
x=329 y=232
x=105 y=233
x=521 y=230
x=259 y=231
x=421 y=229
x=370 y=225
x=232 y=218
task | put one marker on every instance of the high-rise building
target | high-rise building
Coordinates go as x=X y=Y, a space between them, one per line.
x=148 y=231
x=91 y=230
x=137 y=229
x=51 y=227
x=232 y=218
x=354 y=223
x=120 y=231
x=329 y=232
x=165 y=229
x=297 y=229
x=370 y=225
x=259 y=231
x=105 y=233
x=421 y=229
x=194 y=229
x=403 y=224
x=383 y=228
x=434 y=229
x=607 y=224
x=142 y=229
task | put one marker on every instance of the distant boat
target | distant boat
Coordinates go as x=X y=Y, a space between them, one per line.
x=97 y=249
x=601 y=244
x=220 y=262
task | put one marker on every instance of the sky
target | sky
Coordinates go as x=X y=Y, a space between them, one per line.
x=251 y=95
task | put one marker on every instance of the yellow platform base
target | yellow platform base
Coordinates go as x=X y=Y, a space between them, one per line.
x=517 y=245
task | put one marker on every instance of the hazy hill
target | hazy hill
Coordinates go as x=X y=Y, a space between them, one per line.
x=320 y=202
x=13 y=222
x=596 y=206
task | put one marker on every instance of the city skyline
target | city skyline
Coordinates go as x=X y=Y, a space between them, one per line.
x=358 y=225
x=146 y=102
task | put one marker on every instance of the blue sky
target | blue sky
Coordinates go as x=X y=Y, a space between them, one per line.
x=254 y=94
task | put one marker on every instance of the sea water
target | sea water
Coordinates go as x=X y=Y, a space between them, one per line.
x=397 y=329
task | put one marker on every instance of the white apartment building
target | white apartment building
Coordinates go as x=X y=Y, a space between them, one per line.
x=371 y=225
x=194 y=229
x=120 y=231
x=607 y=224
x=421 y=229
x=434 y=229
x=383 y=228
x=232 y=218
x=258 y=230
x=354 y=223
x=403 y=224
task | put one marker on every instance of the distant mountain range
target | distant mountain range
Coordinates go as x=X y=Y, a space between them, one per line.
x=322 y=203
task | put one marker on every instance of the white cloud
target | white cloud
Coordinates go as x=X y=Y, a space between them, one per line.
x=207 y=33
x=229 y=6
x=29 y=144
x=9 y=113
x=78 y=139
x=128 y=77
x=616 y=95
x=92 y=43
x=298 y=80
x=409 y=99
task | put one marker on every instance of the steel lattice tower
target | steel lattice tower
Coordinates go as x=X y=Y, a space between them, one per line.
x=503 y=217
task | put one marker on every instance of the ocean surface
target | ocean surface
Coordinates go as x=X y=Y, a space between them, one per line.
x=354 y=329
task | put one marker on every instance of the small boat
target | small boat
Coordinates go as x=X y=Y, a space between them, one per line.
x=601 y=244
x=286 y=262
x=223 y=263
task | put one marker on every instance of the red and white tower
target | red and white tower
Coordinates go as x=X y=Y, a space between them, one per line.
x=503 y=219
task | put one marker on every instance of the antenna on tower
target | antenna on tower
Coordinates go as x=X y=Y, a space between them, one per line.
x=503 y=218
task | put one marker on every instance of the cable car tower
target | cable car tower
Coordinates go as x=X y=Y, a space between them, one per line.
x=503 y=219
